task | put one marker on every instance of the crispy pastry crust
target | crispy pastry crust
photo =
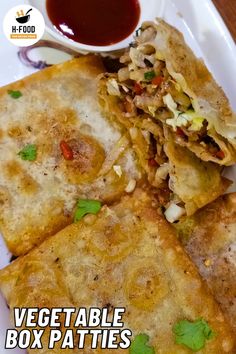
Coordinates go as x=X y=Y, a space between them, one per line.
x=210 y=240
x=37 y=198
x=194 y=181
x=192 y=74
x=207 y=97
x=127 y=255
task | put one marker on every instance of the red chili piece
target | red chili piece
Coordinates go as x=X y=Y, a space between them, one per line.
x=66 y=150
x=138 y=88
x=157 y=80
x=220 y=154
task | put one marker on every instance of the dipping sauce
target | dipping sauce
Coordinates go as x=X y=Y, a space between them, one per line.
x=94 y=22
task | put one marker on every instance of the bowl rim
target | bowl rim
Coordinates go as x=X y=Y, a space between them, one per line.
x=60 y=37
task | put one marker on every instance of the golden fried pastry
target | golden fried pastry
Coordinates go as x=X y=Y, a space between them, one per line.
x=210 y=240
x=126 y=256
x=164 y=94
x=56 y=147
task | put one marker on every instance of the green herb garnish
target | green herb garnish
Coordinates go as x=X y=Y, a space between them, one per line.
x=149 y=75
x=28 y=153
x=139 y=345
x=14 y=94
x=86 y=206
x=193 y=334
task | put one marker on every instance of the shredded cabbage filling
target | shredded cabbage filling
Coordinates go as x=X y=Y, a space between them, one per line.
x=145 y=86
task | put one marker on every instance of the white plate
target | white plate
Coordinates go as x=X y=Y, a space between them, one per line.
x=205 y=32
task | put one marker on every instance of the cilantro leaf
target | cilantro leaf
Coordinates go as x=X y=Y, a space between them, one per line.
x=28 y=153
x=86 y=206
x=14 y=94
x=193 y=334
x=139 y=345
x=149 y=75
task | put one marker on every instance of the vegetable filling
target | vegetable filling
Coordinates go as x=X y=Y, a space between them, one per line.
x=144 y=86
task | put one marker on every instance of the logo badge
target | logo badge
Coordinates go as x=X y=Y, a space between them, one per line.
x=24 y=25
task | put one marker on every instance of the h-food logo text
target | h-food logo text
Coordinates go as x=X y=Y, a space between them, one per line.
x=23 y=25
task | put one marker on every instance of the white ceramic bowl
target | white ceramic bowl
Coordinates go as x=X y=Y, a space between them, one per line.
x=148 y=9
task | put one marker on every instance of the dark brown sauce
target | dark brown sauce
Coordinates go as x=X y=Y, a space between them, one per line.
x=94 y=22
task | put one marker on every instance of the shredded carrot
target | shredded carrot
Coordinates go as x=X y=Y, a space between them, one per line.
x=138 y=88
x=128 y=106
x=220 y=154
x=157 y=80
